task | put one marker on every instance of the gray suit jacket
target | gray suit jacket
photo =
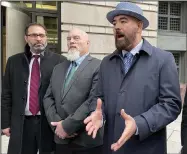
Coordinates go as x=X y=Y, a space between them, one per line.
x=72 y=104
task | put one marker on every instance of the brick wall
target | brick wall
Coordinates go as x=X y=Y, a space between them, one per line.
x=91 y=17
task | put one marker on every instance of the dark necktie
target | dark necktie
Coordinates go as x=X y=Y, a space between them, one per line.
x=34 y=86
x=71 y=73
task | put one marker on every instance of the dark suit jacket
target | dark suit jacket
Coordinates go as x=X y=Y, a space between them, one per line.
x=14 y=97
x=149 y=92
x=72 y=103
x=184 y=126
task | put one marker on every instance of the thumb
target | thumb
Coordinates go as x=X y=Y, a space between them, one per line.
x=99 y=104
x=54 y=123
x=124 y=115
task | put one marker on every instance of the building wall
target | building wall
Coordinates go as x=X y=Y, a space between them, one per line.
x=176 y=42
x=91 y=17
x=15 y=31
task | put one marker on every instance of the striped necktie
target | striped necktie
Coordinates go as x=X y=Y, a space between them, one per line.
x=34 y=86
x=127 y=60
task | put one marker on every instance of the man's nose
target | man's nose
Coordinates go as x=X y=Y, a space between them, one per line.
x=72 y=41
x=38 y=37
x=117 y=26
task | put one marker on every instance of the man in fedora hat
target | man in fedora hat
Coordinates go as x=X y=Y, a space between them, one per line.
x=138 y=90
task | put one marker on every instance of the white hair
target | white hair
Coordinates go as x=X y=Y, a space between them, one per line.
x=73 y=54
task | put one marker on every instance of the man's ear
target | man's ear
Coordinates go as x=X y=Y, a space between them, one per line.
x=26 y=38
x=140 y=26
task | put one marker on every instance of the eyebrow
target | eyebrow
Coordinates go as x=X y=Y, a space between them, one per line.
x=73 y=36
x=121 y=18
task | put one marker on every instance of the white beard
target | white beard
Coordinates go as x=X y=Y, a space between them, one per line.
x=73 y=54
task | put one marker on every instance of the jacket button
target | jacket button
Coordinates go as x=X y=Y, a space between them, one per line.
x=25 y=82
x=23 y=98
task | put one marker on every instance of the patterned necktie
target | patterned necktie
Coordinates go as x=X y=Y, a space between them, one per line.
x=127 y=60
x=71 y=73
x=34 y=86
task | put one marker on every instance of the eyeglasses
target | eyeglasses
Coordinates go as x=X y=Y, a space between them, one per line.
x=36 y=35
x=76 y=38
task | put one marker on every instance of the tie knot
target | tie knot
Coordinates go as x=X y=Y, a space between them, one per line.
x=128 y=55
x=36 y=56
x=74 y=64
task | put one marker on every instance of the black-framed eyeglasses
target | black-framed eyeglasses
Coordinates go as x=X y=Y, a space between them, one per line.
x=36 y=35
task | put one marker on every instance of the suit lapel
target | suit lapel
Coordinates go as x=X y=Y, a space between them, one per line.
x=85 y=62
x=62 y=76
x=43 y=64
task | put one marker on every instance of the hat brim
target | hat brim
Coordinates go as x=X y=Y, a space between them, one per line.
x=110 y=16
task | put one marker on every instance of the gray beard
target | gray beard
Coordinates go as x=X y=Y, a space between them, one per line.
x=73 y=54
x=38 y=50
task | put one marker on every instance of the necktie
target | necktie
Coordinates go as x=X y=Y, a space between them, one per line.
x=71 y=73
x=127 y=61
x=34 y=86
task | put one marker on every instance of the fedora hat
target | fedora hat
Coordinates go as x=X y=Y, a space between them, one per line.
x=130 y=9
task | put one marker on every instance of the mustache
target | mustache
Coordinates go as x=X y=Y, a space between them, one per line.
x=35 y=44
x=119 y=34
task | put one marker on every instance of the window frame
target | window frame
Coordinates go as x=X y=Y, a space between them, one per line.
x=168 y=16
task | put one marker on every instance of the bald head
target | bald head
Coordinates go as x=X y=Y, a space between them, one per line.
x=78 y=39
x=79 y=32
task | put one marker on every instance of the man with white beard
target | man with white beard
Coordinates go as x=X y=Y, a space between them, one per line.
x=69 y=94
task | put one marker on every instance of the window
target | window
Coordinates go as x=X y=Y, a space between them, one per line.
x=51 y=25
x=50 y=5
x=177 y=60
x=169 y=16
x=27 y=4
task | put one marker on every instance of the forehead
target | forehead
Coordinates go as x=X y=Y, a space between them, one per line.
x=36 y=29
x=75 y=33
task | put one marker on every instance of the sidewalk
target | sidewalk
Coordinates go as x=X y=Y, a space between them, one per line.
x=174 y=136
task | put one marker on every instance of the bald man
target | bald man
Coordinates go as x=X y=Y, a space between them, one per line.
x=68 y=97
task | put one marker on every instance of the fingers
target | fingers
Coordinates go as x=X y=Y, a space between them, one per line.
x=124 y=114
x=88 y=126
x=115 y=146
x=94 y=133
x=127 y=133
x=119 y=143
x=99 y=104
x=54 y=123
x=60 y=134
x=124 y=137
x=91 y=130
x=88 y=119
x=7 y=134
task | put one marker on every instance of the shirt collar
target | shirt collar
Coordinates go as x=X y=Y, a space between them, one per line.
x=146 y=48
x=80 y=59
x=42 y=53
x=135 y=50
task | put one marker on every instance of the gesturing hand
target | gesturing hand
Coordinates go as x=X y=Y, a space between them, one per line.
x=94 y=121
x=130 y=129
